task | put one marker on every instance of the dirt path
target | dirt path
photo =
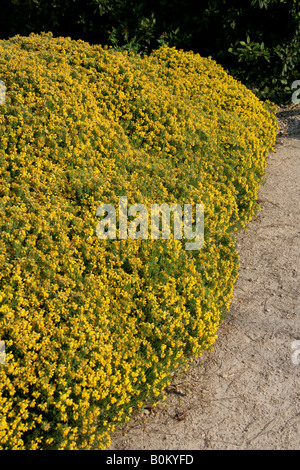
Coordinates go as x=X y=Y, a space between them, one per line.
x=246 y=393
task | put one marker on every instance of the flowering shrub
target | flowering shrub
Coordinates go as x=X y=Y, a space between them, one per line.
x=94 y=328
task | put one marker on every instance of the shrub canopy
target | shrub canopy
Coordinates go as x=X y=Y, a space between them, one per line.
x=95 y=328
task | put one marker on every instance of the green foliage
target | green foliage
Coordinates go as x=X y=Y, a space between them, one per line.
x=269 y=69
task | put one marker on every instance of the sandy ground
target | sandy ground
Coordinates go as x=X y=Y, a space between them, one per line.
x=246 y=393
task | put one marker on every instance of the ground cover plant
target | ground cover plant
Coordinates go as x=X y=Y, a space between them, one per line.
x=95 y=328
x=257 y=41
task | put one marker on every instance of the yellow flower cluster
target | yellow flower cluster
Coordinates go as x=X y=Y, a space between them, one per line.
x=94 y=328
